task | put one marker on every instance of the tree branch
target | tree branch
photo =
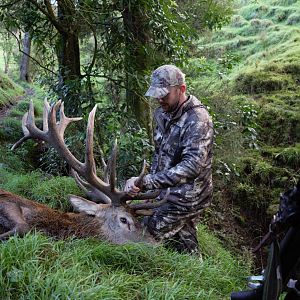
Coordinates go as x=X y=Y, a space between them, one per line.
x=49 y=14
x=35 y=60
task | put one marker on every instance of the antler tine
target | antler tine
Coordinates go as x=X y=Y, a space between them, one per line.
x=112 y=167
x=65 y=121
x=145 y=208
x=90 y=166
x=138 y=181
x=45 y=115
x=89 y=190
x=56 y=140
x=25 y=132
x=29 y=128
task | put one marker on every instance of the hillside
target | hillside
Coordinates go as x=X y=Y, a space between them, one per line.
x=250 y=77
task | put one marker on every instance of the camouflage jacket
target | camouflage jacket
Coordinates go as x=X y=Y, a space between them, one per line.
x=183 y=155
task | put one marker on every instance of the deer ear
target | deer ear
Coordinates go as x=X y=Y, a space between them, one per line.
x=82 y=205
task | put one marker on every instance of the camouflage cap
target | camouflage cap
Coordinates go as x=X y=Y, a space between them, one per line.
x=162 y=78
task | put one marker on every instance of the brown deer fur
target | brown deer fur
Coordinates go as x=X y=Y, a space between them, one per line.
x=19 y=215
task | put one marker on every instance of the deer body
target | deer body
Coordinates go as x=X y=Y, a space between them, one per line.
x=104 y=222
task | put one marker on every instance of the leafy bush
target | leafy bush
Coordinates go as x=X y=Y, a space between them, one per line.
x=134 y=145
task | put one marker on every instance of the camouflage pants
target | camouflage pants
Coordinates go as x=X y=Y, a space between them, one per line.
x=175 y=227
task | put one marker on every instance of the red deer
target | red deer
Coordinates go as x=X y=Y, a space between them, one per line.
x=110 y=216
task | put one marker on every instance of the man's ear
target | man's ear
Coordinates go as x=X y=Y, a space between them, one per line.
x=183 y=88
x=82 y=205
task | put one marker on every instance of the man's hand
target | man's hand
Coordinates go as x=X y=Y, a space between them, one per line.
x=130 y=187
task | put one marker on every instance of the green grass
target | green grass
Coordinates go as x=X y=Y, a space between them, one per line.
x=9 y=91
x=36 y=267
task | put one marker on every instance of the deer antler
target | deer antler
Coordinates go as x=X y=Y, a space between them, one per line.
x=99 y=190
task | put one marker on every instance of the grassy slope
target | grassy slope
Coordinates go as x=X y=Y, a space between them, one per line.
x=264 y=36
x=36 y=267
x=9 y=91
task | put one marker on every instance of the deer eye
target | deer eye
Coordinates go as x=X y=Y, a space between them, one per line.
x=123 y=220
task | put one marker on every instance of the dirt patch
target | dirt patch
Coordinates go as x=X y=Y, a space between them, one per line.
x=4 y=111
x=239 y=230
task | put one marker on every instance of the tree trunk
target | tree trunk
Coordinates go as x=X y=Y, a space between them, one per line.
x=24 y=65
x=68 y=54
x=136 y=62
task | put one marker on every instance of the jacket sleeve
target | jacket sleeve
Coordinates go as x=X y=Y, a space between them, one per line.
x=196 y=145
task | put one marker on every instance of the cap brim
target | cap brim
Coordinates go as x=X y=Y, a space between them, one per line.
x=157 y=92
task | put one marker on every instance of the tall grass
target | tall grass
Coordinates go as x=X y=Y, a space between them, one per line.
x=36 y=267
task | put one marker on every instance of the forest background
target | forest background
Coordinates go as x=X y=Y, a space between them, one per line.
x=241 y=59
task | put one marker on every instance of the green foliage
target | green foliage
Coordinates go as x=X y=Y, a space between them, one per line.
x=50 y=160
x=258 y=182
x=21 y=184
x=203 y=15
x=19 y=161
x=91 y=269
x=10 y=129
x=249 y=124
x=133 y=142
x=290 y=156
x=54 y=192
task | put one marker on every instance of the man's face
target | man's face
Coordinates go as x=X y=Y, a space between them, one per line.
x=170 y=102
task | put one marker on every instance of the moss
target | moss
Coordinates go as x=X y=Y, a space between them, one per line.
x=257 y=81
x=278 y=125
x=289 y=156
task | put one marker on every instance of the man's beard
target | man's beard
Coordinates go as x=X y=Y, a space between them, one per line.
x=174 y=107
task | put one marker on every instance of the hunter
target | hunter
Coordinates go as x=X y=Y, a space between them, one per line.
x=182 y=161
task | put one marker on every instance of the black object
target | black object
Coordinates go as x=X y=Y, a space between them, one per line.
x=284 y=256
